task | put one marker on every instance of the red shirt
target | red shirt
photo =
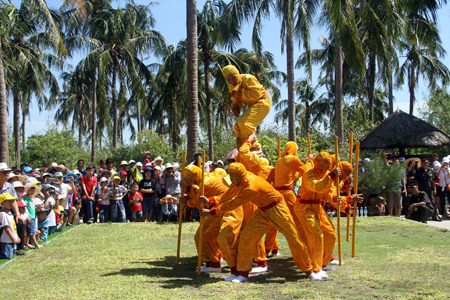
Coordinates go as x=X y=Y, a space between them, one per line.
x=90 y=184
x=136 y=206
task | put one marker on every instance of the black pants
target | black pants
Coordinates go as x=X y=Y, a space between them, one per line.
x=126 y=203
x=422 y=214
x=20 y=232
x=442 y=202
x=87 y=207
x=430 y=195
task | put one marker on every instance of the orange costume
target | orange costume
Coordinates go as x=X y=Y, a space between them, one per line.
x=213 y=187
x=316 y=187
x=288 y=169
x=272 y=211
x=248 y=90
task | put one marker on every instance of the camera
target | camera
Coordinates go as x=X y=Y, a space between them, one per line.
x=169 y=171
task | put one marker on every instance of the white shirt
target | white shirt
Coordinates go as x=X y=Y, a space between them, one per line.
x=443 y=178
x=63 y=191
x=6 y=220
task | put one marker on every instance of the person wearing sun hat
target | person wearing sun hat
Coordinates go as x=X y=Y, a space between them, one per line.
x=123 y=165
x=32 y=190
x=9 y=235
x=117 y=193
x=63 y=190
x=159 y=162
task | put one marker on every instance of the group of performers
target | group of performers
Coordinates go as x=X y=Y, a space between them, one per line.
x=255 y=199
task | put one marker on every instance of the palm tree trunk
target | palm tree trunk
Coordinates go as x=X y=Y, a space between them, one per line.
x=24 y=119
x=338 y=95
x=208 y=107
x=290 y=78
x=138 y=113
x=412 y=87
x=17 y=100
x=4 y=152
x=94 y=114
x=80 y=127
x=371 y=83
x=390 y=95
x=192 y=80
x=114 y=104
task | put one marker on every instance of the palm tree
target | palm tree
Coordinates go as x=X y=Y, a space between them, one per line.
x=192 y=80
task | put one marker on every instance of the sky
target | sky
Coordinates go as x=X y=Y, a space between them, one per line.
x=170 y=18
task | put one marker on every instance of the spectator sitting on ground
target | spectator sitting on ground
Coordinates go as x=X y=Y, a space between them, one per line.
x=420 y=208
x=9 y=236
x=377 y=207
x=43 y=224
x=75 y=219
x=61 y=219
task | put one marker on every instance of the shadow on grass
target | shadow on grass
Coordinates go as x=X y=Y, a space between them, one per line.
x=171 y=275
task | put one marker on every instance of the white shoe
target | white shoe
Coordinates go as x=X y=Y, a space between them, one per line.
x=314 y=276
x=278 y=254
x=221 y=260
x=329 y=268
x=210 y=270
x=239 y=279
x=254 y=264
x=259 y=270
x=335 y=262
x=231 y=278
x=322 y=274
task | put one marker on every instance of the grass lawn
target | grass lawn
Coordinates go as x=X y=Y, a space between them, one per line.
x=395 y=259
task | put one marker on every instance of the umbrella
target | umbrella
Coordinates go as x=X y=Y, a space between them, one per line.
x=232 y=154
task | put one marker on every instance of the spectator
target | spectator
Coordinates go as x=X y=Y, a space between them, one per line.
x=198 y=159
x=104 y=196
x=61 y=219
x=158 y=162
x=329 y=209
x=147 y=157
x=61 y=168
x=103 y=164
x=172 y=179
x=425 y=177
x=32 y=190
x=394 y=198
x=139 y=167
x=76 y=216
x=43 y=224
x=126 y=184
x=15 y=177
x=88 y=183
x=376 y=207
x=147 y=188
x=436 y=167
x=135 y=199
x=123 y=165
x=9 y=237
x=62 y=190
x=116 y=195
x=131 y=165
x=444 y=180
x=220 y=164
x=46 y=178
x=49 y=203
x=80 y=167
x=110 y=167
x=420 y=208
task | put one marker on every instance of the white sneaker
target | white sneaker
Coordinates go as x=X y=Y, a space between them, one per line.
x=334 y=262
x=210 y=270
x=314 y=276
x=322 y=274
x=231 y=278
x=239 y=279
x=221 y=260
x=329 y=268
x=278 y=254
x=254 y=264
x=259 y=270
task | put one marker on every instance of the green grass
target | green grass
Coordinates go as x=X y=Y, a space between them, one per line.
x=395 y=259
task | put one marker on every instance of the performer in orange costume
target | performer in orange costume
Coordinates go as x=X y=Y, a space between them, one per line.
x=191 y=178
x=246 y=89
x=272 y=211
x=288 y=169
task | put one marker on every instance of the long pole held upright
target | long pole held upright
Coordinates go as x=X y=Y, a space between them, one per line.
x=200 y=242
x=336 y=151
x=279 y=147
x=355 y=207
x=309 y=143
x=350 y=160
x=180 y=217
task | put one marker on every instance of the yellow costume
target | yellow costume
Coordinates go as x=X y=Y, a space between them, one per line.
x=213 y=187
x=248 y=90
x=288 y=169
x=308 y=208
x=272 y=211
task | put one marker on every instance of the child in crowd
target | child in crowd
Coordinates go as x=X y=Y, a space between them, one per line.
x=147 y=188
x=9 y=235
x=146 y=158
x=116 y=195
x=377 y=207
x=43 y=224
x=103 y=194
x=75 y=219
x=135 y=198
x=126 y=184
x=59 y=215
x=32 y=191
x=330 y=210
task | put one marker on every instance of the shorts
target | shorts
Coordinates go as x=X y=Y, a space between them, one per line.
x=136 y=215
x=31 y=228
x=6 y=250
x=394 y=199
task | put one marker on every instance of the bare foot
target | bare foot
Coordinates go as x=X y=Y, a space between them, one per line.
x=39 y=247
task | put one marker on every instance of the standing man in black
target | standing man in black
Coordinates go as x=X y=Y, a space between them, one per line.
x=420 y=208
x=425 y=177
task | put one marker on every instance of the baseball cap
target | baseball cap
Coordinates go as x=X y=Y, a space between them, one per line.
x=123 y=173
x=139 y=164
x=7 y=196
x=59 y=174
x=103 y=179
x=131 y=162
x=116 y=178
x=47 y=175
x=148 y=169
x=21 y=204
x=27 y=169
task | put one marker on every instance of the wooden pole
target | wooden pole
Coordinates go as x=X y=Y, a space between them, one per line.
x=336 y=148
x=279 y=147
x=180 y=217
x=200 y=242
x=350 y=160
x=309 y=143
x=355 y=206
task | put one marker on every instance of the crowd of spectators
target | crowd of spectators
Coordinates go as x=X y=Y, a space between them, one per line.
x=36 y=203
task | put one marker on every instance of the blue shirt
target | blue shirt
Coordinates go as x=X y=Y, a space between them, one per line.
x=8 y=188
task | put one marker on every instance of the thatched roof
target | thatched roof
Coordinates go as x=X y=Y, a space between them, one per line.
x=402 y=130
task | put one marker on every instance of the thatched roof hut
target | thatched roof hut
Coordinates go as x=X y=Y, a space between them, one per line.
x=402 y=130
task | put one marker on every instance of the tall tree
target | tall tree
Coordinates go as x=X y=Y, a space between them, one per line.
x=192 y=77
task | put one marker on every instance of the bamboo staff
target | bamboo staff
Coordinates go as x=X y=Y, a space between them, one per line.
x=355 y=207
x=309 y=143
x=279 y=147
x=200 y=242
x=350 y=160
x=336 y=146
x=180 y=217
